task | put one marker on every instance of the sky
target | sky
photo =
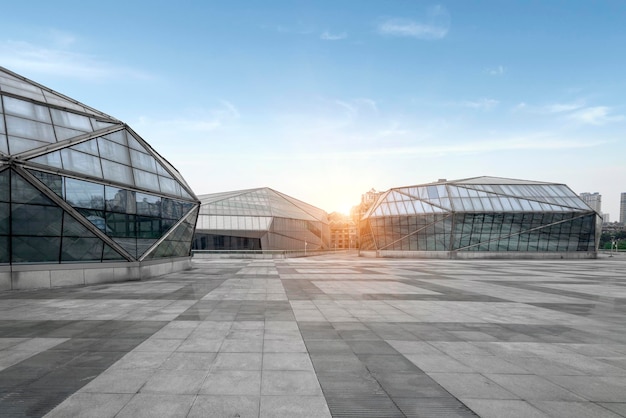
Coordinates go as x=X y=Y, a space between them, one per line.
x=325 y=100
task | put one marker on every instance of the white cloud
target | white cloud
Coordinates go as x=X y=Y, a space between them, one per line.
x=562 y=107
x=435 y=25
x=598 y=115
x=328 y=36
x=499 y=70
x=21 y=56
x=197 y=121
x=481 y=104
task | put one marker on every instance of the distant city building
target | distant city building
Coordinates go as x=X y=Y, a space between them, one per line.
x=622 y=209
x=606 y=218
x=594 y=200
x=259 y=219
x=343 y=231
x=83 y=198
x=481 y=217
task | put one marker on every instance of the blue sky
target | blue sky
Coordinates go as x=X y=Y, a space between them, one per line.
x=324 y=100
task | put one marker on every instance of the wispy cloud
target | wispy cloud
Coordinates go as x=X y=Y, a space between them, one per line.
x=482 y=104
x=577 y=111
x=198 y=121
x=435 y=25
x=329 y=36
x=562 y=107
x=499 y=70
x=22 y=56
x=598 y=115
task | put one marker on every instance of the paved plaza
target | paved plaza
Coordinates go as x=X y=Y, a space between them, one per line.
x=333 y=335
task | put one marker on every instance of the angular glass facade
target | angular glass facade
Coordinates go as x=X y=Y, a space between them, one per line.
x=259 y=219
x=78 y=186
x=481 y=214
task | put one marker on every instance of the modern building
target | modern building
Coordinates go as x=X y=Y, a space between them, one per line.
x=593 y=200
x=83 y=198
x=481 y=217
x=622 y=208
x=260 y=219
x=343 y=232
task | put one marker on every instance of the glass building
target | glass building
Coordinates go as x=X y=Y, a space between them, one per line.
x=481 y=217
x=259 y=219
x=83 y=198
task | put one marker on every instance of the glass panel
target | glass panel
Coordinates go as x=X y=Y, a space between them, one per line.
x=5 y=210
x=4 y=145
x=84 y=194
x=148 y=204
x=73 y=228
x=143 y=161
x=113 y=151
x=4 y=250
x=133 y=143
x=128 y=244
x=26 y=128
x=24 y=192
x=110 y=254
x=71 y=120
x=36 y=220
x=26 y=109
x=146 y=180
x=24 y=93
x=4 y=185
x=169 y=186
x=52 y=181
x=120 y=225
x=90 y=147
x=18 y=145
x=118 y=136
x=66 y=133
x=117 y=172
x=81 y=249
x=35 y=249
x=120 y=200
x=52 y=160
x=96 y=217
x=81 y=162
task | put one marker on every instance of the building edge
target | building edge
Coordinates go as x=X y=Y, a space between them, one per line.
x=47 y=276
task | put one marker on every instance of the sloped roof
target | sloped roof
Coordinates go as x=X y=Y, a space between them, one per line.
x=478 y=194
x=258 y=202
x=45 y=130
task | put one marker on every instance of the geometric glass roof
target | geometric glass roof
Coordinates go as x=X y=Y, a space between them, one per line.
x=478 y=194
x=259 y=202
x=95 y=172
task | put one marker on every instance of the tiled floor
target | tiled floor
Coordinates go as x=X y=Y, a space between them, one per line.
x=324 y=336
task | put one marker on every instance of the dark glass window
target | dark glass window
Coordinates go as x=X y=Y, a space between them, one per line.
x=35 y=249
x=36 y=220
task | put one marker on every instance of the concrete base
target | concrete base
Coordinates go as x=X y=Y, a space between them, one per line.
x=481 y=255
x=21 y=277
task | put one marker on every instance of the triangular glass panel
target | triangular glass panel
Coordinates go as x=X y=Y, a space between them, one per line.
x=24 y=192
x=109 y=254
x=19 y=145
x=128 y=244
x=52 y=159
x=53 y=181
x=66 y=133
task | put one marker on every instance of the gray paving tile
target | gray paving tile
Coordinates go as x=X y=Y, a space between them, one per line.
x=290 y=382
x=157 y=405
x=232 y=382
x=209 y=406
x=471 y=386
x=497 y=408
x=91 y=405
x=293 y=407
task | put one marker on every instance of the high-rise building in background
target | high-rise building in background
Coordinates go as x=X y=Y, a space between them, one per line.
x=594 y=200
x=622 y=208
